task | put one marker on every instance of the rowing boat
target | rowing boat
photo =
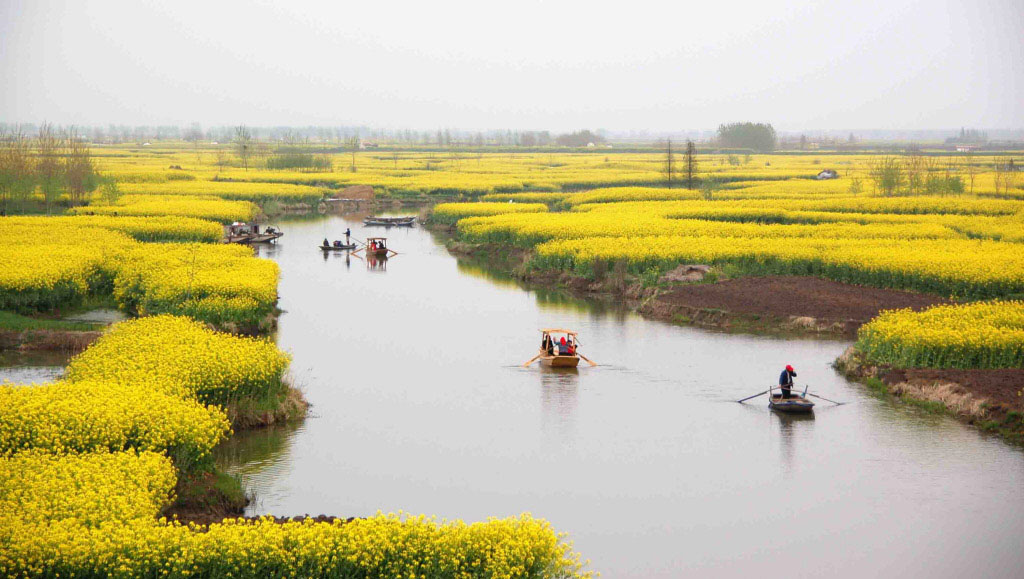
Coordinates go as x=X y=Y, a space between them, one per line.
x=337 y=247
x=795 y=403
x=553 y=354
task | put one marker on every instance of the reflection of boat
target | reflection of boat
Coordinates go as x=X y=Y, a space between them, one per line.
x=337 y=247
x=389 y=221
x=795 y=403
x=553 y=354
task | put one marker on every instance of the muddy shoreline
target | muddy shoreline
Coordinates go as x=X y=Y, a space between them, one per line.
x=988 y=399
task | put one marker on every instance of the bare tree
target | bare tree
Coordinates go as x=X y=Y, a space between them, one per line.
x=970 y=168
x=668 y=165
x=16 y=169
x=352 y=144
x=193 y=135
x=80 y=176
x=690 y=164
x=49 y=166
x=915 y=168
x=243 y=144
x=221 y=159
x=1005 y=175
x=887 y=175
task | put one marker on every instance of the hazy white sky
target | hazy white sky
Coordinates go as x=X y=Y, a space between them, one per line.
x=527 y=64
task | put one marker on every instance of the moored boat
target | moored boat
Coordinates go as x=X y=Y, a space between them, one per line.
x=239 y=232
x=389 y=221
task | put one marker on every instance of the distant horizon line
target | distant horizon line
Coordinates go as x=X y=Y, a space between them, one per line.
x=348 y=128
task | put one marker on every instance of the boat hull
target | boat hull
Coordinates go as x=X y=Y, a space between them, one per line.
x=261 y=238
x=796 y=404
x=337 y=248
x=377 y=252
x=560 y=361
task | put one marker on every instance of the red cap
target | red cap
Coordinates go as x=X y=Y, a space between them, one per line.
x=790 y=368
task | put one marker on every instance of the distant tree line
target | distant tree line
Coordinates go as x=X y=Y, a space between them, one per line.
x=757 y=136
x=51 y=163
x=968 y=137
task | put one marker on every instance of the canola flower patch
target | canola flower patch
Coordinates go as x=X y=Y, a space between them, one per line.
x=977 y=335
x=202 y=207
x=452 y=212
x=54 y=264
x=220 y=284
x=960 y=268
x=235 y=190
x=75 y=416
x=80 y=491
x=181 y=356
x=149 y=229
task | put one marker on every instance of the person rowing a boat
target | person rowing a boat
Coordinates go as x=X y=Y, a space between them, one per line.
x=786 y=381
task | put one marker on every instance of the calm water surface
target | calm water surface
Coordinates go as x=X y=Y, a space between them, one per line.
x=419 y=404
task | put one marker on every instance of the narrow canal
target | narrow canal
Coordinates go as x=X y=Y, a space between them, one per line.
x=420 y=405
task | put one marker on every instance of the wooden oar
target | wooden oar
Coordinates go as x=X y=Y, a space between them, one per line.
x=754 y=396
x=531 y=360
x=825 y=399
x=589 y=361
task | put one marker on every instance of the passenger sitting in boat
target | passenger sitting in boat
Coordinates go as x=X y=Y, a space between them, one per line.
x=337 y=243
x=326 y=243
x=563 y=349
x=786 y=381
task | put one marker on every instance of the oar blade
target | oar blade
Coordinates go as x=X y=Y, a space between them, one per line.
x=749 y=397
x=531 y=361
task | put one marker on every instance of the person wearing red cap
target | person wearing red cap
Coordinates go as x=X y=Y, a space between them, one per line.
x=786 y=381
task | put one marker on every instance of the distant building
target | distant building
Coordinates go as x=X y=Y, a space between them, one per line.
x=827 y=174
x=965 y=148
x=591 y=145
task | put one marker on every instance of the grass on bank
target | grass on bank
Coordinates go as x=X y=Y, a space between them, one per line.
x=19 y=323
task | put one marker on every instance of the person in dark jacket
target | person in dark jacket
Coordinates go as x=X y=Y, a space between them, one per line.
x=326 y=243
x=786 y=381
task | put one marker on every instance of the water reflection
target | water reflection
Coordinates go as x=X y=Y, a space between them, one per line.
x=261 y=459
x=792 y=427
x=559 y=389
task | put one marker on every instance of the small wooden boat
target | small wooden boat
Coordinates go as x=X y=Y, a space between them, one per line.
x=553 y=354
x=337 y=247
x=389 y=221
x=249 y=233
x=377 y=247
x=795 y=403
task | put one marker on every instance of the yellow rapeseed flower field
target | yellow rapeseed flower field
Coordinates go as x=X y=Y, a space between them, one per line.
x=978 y=335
